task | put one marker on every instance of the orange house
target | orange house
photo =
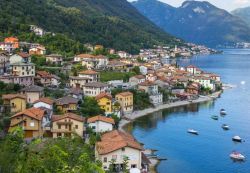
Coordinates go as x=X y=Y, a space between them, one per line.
x=12 y=40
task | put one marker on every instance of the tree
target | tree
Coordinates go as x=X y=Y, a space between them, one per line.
x=90 y=107
x=125 y=164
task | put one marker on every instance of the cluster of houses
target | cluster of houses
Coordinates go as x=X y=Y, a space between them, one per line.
x=35 y=113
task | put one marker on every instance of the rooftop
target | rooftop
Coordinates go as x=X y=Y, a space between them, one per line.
x=101 y=118
x=35 y=113
x=68 y=115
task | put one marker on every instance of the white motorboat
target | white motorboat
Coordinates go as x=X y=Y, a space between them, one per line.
x=237 y=156
x=237 y=139
x=225 y=127
x=192 y=131
x=223 y=112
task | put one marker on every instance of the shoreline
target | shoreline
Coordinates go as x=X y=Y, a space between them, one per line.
x=137 y=114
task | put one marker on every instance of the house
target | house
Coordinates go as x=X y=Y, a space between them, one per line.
x=98 y=47
x=193 y=88
x=95 y=62
x=21 y=69
x=67 y=104
x=39 y=50
x=76 y=93
x=9 y=47
x=123 y=54
x=4 y=62
x=44 y=102
x=156 y=98
x=43 y=78
x=116 y=145
x=95 y=88
x=205 y=82
x=54 y=59
x=32 y=93
x=118 y=66
x=32 y=121
x=143 y=70
x=91 y=74
x=125 y=99
x=193 y=70
x=104 y=100
x=101 y=123
x=14 y=102
x=67 y=125
x=37 y=30
x=12 y=40
x=78 y=82
x=135 y=80
x=55 y=80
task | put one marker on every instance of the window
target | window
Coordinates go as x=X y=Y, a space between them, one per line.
x=93 y=127
x=76 y=126
x=59 y=134
x=133 y=166
x=59 y=126
x=105 y=160
x=114 y=157
x=123 y=149
x=32 y=124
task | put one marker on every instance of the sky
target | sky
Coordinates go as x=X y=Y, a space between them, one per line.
x=228 y=5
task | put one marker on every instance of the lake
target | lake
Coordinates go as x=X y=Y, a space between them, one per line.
x=208 y=152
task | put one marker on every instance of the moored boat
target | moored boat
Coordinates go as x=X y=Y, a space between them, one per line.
x=237 y=156
x=215 y=117
x=237 y=139
x=223 y=112
x=225 y=126
x=192 y=131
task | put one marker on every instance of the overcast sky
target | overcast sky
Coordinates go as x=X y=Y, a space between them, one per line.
x=224 y=4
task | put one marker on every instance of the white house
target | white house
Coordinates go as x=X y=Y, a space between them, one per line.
x=193 y=70
x=101 y=123
x=44 y=103
x=135 y=80
x=95 y=88
x=143 y=70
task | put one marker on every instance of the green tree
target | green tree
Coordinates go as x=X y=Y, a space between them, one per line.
x=90 y=107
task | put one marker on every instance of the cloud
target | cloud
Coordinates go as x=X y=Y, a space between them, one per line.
x=241 y=2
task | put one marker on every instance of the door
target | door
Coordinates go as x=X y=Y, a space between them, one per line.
x=28 y=134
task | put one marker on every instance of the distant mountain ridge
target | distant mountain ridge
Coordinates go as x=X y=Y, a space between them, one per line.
x=243 y=13
x=196 y=21
x=112 y=23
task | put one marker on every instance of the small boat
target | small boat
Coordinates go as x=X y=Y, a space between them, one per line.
x=237 y=156
x=215 y=117
x=192 y=131
x=237 y=139
x=225 y=127
x=223 y=112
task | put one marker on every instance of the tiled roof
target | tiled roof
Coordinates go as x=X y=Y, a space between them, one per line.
x=85 y=56
x=116 y=140
x=33 y=88
x=103 y=94
x=139 y=77
x=68 y=115
x=146 y=83
x=101 y=118
x=45 y=100
x=66 y=100
x=96 y=84
x=23 y=54
x=12 y=96
x=35 y=113
x=124 y=94
x=44 y=74
x=88 y=72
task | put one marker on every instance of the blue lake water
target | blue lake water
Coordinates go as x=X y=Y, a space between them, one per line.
x=208 y=152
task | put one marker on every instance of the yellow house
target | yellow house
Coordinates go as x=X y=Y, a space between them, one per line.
x=14 y=102
x=31 y=120
x=67 y=104
x=67 y=124
x=126 y=102
x=105 y=102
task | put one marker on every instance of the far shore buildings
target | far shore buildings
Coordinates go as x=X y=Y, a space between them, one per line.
x=92 y=61
x=117 y=145
x=125 y=99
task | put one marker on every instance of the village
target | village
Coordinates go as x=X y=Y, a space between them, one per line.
x=90 y=93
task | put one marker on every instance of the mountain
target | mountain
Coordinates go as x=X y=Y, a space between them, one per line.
x=196 y=21
x=112 y=23
x=243 y=13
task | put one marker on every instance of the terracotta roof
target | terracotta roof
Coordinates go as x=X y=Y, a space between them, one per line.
x=45 y=100
x=116 y=140
x=139 y=77
x=146 y=83
x=85 y=56
x=23 y=54
x=124 y=94
x=66 y=100
x=88 y=72
x=103 y=94
x=101 y=118
x=44 y=74
x=68 y=115
x=33 y=88
x=35 y=113
x=12 y=96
